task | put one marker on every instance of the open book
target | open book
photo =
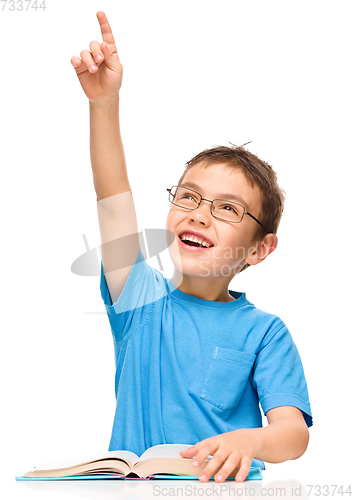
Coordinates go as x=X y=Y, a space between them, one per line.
x=162 y=459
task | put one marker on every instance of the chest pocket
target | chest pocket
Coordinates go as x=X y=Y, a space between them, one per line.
x=226 y=377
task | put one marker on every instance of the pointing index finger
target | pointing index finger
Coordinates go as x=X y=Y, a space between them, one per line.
x=106 y=31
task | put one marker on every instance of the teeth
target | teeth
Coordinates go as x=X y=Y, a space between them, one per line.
x=195 y=239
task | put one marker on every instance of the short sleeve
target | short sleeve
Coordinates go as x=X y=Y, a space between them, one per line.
x=144 y=286
x=278 y=375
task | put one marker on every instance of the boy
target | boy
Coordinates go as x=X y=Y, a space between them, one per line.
x=194 y=359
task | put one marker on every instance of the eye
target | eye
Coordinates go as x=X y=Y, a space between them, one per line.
x=234 y=209
x=186 y=196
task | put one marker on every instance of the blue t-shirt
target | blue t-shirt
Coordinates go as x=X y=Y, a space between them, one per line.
x=188 y=369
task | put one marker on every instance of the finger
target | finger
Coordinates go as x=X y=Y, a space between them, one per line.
x=229 y=467
x=75 y=61
x=205 y=450
x=244 y=469
x=106 y=31
x=86 y=57
x=191 y=451
x=213 y=466
x=96 y=51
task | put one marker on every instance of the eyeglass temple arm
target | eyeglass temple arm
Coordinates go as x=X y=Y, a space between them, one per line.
x=253 y=217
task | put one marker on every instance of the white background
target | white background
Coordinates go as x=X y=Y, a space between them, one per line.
x=196 y=74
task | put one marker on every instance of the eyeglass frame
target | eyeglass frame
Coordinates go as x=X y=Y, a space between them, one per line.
x=212 y=204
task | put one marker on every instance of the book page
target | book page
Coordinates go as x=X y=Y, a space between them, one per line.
x=164 y=450
x=61 y=463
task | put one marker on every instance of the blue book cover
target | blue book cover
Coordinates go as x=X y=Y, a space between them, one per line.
x=254 y=474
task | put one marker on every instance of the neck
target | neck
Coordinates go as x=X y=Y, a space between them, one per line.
x=214 y=289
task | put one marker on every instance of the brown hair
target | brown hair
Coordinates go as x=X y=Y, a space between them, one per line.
x=257 y=172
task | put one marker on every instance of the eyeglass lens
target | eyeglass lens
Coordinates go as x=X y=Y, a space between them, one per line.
x=222 y=209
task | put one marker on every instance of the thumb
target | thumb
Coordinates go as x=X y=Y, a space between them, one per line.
x=106 y=51
x=109 y=59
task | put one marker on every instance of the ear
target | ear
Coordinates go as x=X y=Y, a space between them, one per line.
x=262 y=249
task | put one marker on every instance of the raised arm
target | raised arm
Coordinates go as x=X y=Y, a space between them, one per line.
x=100 y=73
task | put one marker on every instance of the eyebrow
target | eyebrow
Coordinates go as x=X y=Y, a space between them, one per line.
x=224 y=196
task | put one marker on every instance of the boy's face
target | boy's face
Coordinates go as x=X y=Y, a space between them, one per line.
x=232 y=242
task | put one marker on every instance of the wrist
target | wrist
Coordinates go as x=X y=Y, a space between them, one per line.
x=105 y=103
x=255 y=439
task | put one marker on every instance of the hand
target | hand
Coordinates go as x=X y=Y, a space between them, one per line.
x=229 y=450
x=100 y=71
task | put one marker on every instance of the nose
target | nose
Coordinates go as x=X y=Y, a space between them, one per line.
x=201 y=214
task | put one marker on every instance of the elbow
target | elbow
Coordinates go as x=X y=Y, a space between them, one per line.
x=303 y=441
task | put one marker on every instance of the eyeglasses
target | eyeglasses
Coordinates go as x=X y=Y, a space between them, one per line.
x=228 y=211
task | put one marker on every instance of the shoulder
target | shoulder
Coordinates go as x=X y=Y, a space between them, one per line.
x=269 y=322
x=266 y=328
